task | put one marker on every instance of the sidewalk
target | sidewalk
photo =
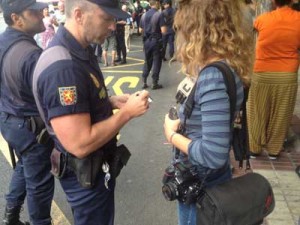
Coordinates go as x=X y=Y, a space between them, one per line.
x=281 y=174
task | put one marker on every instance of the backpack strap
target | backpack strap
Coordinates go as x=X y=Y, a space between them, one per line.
x=230 y=86
x=241 y=150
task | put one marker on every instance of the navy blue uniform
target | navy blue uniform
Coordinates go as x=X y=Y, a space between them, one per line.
x=17 y=106
x=151 y=23
x=168 y=38
x=70 y=82
x=121 y=47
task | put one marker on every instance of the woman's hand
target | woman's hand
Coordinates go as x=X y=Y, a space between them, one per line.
x=170 y=126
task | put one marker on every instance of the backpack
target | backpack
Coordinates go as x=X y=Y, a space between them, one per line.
x=239 y=142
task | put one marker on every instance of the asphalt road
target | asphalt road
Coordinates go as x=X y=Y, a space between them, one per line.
x=139 y=200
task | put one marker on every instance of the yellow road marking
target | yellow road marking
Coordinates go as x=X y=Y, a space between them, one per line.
x=137 y=46
x=122 y=71
x=57 y=215
x=108 y=79
x=140 y=60
x=122 y=66
x=132 y=81
x=136 y=51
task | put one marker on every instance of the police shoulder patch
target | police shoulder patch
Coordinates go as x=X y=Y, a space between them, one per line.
x=68 y=95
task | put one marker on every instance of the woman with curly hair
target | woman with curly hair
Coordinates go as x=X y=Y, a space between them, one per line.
x=273 y=91
x=209 y=31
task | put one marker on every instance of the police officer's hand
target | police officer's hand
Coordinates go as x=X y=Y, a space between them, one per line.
x=118 y=101
x=137 y=104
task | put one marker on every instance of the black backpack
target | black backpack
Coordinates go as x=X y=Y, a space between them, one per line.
x=240 y=144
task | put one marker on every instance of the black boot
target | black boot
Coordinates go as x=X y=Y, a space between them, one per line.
x=12 y=216
x=145 y=86
x=156 y=85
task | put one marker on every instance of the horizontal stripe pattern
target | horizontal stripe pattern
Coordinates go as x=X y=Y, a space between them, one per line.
x=270 y=106
x=209 y=124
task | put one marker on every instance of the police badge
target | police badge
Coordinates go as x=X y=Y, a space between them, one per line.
x=68 y=95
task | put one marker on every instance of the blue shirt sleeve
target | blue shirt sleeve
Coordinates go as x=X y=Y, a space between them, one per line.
x=63 y=89
x=142 y=22
x=161 y=20
x=209 y=125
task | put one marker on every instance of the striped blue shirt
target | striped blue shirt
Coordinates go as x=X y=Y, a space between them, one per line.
x=209 y=124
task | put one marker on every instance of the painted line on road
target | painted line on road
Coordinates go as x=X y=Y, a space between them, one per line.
x=57 y=215
x=139 y=60
x=135 y=51
x=122 y=71
x=123 y=66
x=137 y=46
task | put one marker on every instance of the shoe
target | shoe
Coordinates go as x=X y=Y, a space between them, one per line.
x=273 y=157
x=156 y=86
x=106 y=64
x=12 y=216
x=117 y=60
x=113 y=64
x=123 y=62
x=145 y=86
x=253 y=155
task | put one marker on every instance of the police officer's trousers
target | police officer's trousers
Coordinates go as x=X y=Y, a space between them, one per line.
x=32 y=173
x=121 y=46
x=153 y=58
x=90 y=206
x=168 y=39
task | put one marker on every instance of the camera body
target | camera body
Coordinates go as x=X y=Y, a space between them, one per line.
x=181 y=182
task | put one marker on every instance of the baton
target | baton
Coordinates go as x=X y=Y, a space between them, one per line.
x=12 y=156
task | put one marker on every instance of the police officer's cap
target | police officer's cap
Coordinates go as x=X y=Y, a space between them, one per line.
x=18 y=6
x=169 y=2
x=111 y=7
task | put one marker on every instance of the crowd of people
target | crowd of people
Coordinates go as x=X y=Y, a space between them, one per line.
x=57 y=115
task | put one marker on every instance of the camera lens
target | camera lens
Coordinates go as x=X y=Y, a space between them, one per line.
x=169 y=191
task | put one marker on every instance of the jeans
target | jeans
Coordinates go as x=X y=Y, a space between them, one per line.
x=186 y=214
x=32 y=173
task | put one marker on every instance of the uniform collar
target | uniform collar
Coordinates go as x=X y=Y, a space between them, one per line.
x=153 y=9
x=14 y=32
x=68 y=40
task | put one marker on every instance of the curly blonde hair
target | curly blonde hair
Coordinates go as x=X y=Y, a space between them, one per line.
x=208 y=30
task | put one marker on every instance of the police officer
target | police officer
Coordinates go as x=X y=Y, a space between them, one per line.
x=69 y=87
x=120 y=36
x=168 y=37
x=139 y=10
x=19 y=121
x=152 y=25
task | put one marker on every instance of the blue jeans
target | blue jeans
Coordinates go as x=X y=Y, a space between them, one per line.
x=187 y=213
x=32 y=173
x=90 y=206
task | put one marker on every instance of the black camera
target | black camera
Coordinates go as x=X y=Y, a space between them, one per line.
x=181 y=182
